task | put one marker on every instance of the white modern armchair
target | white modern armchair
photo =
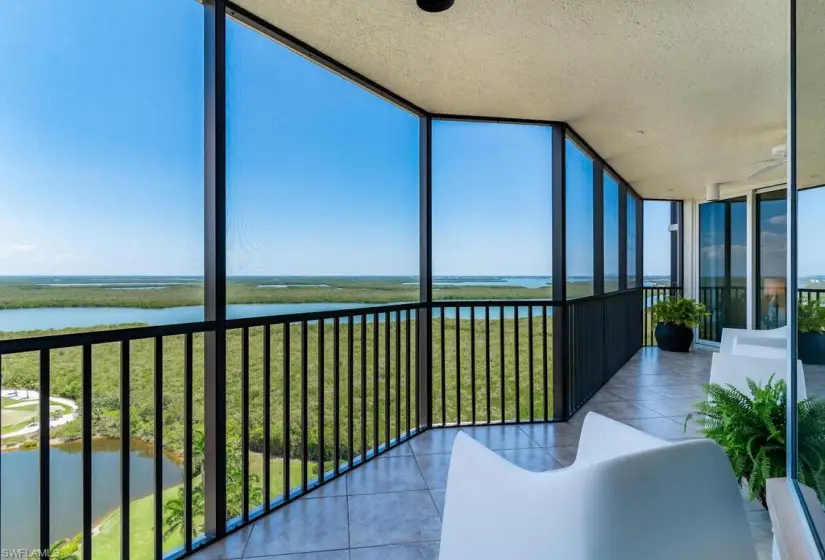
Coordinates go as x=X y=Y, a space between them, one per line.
x=729 y=336
x=628 y=496
x=735 y=370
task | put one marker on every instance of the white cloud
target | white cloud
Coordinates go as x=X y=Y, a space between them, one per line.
x=778 y=220
x=17 y=248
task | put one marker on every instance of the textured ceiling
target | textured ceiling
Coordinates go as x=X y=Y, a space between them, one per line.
x=674 y=94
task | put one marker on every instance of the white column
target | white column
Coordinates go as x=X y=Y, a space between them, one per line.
x=691 y=248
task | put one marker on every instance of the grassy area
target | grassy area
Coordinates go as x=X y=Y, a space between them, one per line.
x=21 y=370
x=106 y=544
x=24 y=293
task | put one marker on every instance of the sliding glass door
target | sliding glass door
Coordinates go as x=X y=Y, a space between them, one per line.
x=771 y=259
x=723 y=266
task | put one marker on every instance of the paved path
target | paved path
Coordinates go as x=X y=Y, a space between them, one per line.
x=33 y=397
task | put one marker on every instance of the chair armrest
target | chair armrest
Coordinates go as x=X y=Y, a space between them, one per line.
x=603 y=438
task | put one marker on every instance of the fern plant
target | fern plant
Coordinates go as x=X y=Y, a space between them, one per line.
x=752 y=430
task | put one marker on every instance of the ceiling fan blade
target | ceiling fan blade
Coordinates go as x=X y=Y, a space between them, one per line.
x=766 y=168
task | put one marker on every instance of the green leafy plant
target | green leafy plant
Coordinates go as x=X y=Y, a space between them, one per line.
x=752 y=429
x=682 y=312
x=811 y=317
x=66 y=549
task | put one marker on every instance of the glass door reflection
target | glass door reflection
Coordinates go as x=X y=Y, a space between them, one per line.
x=722 y=266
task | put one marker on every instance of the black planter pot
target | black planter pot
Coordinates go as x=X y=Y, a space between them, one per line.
x=812 y=348
x=673 y=338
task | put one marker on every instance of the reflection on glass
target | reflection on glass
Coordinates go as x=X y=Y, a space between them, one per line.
x=772 y=253
x=579 y=177
x=492 y=210
x=737 y=301
x=722 y=266
x=809 y=96
x=611 y=234
x=632 y=248
x=322 y=181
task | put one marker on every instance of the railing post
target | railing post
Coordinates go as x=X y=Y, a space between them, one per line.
x=215 y=267
x=424 y=314
x=561 y=383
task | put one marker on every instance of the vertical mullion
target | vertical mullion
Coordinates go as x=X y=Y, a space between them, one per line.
x=287 y=443
x=501 y=357
x=336 y=395
x=363 y=387
x=214 y=487
x=473 y=362
x=487 y=356
x=304 y=405
x=530 y=358
x=407 y=359
x=187 y=441
x=125 y=445
x=598 y=227
x=45 y=495
x=397 y=376
x=544 y=358
x=559 y=287
x=387 y=377
x=86 y=411
x=424 y=361
x=245 y=423
x=158 y=476
x=443 y=371
x=321 y=384
x=267 y=357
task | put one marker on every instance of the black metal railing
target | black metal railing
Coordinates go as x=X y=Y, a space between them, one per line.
x=651 y=295
x=727 y=307
x=310 y=396
x=603 y=332
x=492 y=362
x=348 y=392
x=812 y=294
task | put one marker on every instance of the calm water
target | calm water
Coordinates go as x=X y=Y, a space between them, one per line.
x=64 y=317
x=19 y=513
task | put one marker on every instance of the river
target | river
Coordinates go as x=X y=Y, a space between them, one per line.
x=19 y=514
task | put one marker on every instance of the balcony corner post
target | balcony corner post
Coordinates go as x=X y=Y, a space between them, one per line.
x=424 y=314
x=215 y=268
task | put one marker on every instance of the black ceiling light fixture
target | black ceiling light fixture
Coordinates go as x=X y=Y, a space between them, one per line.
x=435 y=6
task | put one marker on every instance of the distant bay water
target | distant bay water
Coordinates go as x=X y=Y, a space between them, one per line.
x=46 y=318
x=52 y=318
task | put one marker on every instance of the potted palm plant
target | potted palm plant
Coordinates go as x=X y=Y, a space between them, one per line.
x=811 y=343
x=675 y=320
x=752 y=429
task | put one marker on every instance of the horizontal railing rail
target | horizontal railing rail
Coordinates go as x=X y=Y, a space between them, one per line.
x=308 y=397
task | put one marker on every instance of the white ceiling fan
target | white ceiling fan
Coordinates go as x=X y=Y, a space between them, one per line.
x=779 y=159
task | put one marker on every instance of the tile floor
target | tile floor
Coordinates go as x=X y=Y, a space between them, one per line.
x=391 y=507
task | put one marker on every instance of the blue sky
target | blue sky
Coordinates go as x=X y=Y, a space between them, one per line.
x=101 y=160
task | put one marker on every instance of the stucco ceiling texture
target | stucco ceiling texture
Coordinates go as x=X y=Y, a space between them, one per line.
x=674 y=94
